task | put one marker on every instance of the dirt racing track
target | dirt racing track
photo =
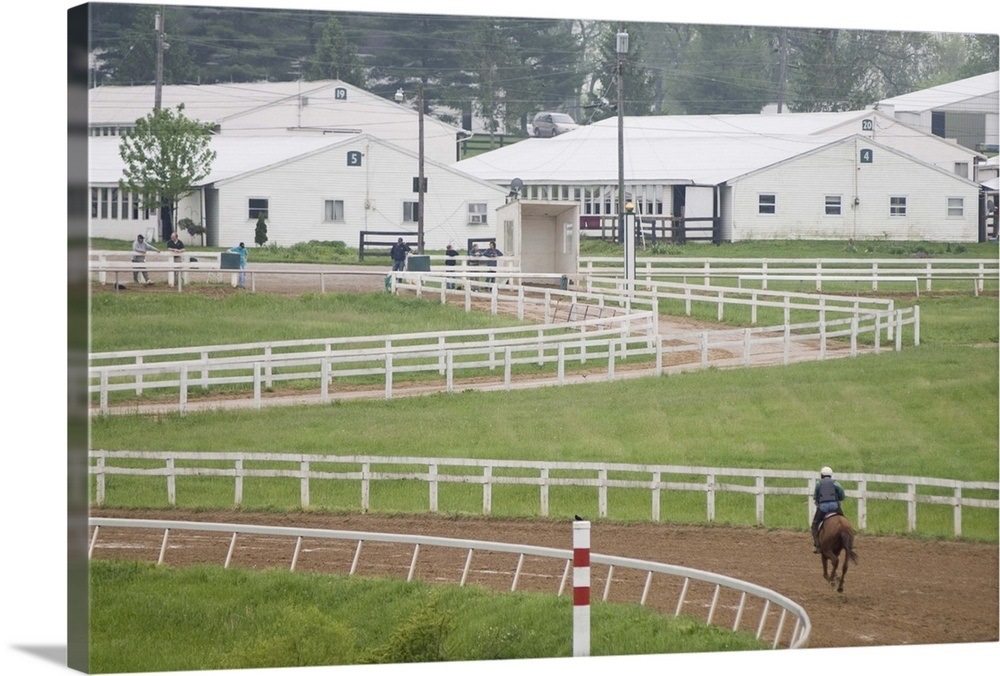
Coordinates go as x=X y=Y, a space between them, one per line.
x=903 y=591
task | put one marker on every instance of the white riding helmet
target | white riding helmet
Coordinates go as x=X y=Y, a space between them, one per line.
x=826 y=471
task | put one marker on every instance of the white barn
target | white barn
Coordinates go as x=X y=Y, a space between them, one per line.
x=309 y=188
x=319 y=108
x=966 y=111
x=696 y=171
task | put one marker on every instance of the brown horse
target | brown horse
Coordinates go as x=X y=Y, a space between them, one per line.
x=836 y=536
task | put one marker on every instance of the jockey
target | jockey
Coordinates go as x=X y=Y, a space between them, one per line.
x=827 y=496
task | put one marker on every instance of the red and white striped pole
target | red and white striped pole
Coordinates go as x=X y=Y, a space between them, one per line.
x=581 y=589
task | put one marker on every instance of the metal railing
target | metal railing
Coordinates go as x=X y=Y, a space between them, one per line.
x=748 y=597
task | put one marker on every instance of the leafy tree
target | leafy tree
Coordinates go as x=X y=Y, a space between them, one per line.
x=260 y=231
x=335 y=57
x=727 y=69
x=165 y=156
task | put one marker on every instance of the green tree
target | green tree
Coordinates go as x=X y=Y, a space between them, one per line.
x=728 y=69
x=260 y=230
x=165 y=156
x=335 y=57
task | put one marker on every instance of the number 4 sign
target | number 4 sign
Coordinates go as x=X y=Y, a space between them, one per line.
x=866 y=156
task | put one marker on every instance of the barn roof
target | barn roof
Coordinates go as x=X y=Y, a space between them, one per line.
x=946 y=94
x=219 y=103
x=658 y=154
x=235 y=155
x=240 y=155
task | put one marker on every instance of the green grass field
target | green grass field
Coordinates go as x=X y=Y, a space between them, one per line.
x=144 y=619
x=930 y=410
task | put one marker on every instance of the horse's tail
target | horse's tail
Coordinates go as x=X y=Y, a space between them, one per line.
x=847 y=538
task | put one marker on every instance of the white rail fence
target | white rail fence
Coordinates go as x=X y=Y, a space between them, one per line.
x=818 y=270
x=779 y=619
x=603 y=323
x=607 y=341
x=110 y=265
x=603 y=477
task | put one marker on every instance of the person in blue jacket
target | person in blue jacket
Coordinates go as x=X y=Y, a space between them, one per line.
x=827 y=495
x=242 y=251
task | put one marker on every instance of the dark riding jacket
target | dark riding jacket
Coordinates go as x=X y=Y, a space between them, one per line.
x=828 y=491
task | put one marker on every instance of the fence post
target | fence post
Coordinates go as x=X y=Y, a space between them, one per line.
x=366 y=470
x=487 y=490
x=304 y=483
x=862 y=504
x=239 y=481
x=760 y=500
x=710 y=498
x=184 y=389
x=100 y=481
x=958 y=512
x=656 y=496
x=544 y=492
x=602 y=493
x=581 y=589
x=171 y=483
x=433 y=490
x=388 y=376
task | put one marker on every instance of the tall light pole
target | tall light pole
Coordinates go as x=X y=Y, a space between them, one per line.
x=399 y=97
x=621 y=49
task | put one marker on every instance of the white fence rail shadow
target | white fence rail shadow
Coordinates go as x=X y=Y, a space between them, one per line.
x=602 y=477
x=773 y=609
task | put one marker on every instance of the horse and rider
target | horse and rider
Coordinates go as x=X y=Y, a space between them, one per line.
x=831 y=531
x=828 y=495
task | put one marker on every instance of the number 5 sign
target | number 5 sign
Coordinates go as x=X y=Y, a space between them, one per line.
x=354 y=158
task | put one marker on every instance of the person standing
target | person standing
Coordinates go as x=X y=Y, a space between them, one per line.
x=175 y=246
x=827 y=496
x=242 y=251
x=139 y=249
x=492 y=252
x=451 y=253
x=399 y=251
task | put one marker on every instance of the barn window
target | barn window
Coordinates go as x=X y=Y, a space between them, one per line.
x=257 y=206
x=962 y=169
x=831 y=205
x=897 y=206
x=956 y=206
x=411 y=211
x=333 y=211
x=766 y=204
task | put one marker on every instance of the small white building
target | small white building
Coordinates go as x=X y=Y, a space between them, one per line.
x=319 y=108
x=327 y=188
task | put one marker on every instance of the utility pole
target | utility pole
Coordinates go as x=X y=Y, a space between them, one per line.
x=158 y=95
x=420 y=169
x=621 y=48
x=783 y=47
